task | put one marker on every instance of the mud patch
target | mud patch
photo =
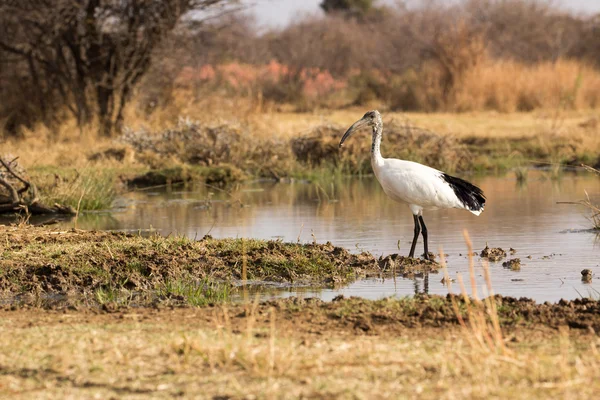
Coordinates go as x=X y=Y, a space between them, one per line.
x=493 y=254
x=513 y=265
x=390 y=316
x=586 y=275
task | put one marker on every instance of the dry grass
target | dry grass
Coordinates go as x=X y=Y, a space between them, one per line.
x=540 y=128
x=508 y=86
x=164 y=354
x=483 y=329
x=590 y=206
x=593 y=209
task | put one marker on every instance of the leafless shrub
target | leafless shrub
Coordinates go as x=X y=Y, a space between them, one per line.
x=189 y=141
x=402 y=139
x=333 y=43
x=525 y=30
x=198 y=144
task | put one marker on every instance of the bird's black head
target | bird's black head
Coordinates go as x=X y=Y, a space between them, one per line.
x=371 y=115
x=371 y=118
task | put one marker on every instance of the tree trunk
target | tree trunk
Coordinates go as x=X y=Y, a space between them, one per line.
x=105 y=100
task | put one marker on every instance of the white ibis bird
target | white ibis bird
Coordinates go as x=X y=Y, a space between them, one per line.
x=417 y=185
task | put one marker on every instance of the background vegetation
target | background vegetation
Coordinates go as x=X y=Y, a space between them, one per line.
x=503 y=55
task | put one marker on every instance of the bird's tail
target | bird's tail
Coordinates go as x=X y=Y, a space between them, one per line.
x=471 y=197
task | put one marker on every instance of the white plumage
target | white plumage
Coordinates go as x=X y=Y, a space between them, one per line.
x=417 y=185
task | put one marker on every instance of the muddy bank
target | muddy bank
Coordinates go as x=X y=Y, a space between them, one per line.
x=67 y=266
x=41 y=262
x=391 y=316
x=38 y=259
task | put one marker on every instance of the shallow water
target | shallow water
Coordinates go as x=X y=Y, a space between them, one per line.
x=356 y=214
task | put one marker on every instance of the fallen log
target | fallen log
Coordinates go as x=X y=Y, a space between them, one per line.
x=18 y=194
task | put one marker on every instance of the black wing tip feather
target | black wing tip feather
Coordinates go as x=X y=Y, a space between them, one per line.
x=470 y=195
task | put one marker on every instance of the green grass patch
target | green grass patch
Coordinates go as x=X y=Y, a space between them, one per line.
x=87 y=188
x=195 y=292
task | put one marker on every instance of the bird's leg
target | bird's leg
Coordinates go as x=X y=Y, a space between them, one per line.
x=424 y=233
x=416 y=237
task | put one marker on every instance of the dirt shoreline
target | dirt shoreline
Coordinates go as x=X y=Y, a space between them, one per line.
x=95 y=272
x=43 y=267
x=388 y=316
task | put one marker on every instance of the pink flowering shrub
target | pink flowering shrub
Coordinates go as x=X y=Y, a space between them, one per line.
x=277 y=82
x=318 y=83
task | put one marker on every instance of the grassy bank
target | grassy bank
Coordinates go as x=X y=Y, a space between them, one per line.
x=95 y=186
x=105 y=267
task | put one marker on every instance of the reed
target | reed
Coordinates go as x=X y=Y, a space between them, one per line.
x=521 y=174
x=479 y=320
x=82 y=189
x=509 y=86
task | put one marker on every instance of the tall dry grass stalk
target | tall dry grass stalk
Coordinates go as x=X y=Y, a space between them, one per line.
x=252 y=355
x=482 y=326
x=244 y=262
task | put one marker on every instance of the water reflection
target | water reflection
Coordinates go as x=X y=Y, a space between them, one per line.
x=356 y=214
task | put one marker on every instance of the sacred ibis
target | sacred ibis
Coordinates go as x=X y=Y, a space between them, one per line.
x=417 y=185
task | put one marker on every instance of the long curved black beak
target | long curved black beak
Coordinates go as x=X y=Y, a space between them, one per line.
x=355 y=126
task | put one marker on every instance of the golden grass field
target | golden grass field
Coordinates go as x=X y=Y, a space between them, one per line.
x=282 y=351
